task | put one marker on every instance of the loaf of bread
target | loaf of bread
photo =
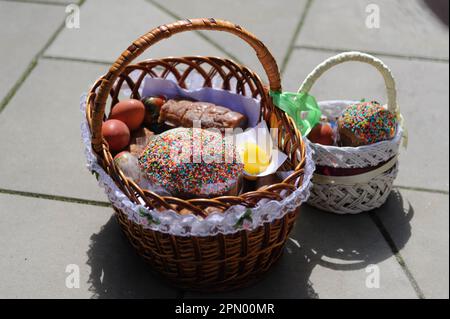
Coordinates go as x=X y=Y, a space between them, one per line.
x=184 y=113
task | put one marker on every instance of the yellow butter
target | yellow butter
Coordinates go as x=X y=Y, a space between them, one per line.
x=254 y=158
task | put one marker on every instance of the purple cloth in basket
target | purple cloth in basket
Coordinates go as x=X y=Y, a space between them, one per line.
x=250 y=107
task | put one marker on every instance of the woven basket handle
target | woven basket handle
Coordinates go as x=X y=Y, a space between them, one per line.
x=359 y=57
x=166 y=31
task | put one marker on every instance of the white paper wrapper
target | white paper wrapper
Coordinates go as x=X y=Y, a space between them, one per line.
x=260 y=135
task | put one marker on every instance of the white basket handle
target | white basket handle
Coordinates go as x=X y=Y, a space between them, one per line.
x=358 y=57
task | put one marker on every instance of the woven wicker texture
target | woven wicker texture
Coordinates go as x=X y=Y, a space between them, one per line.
x=360 y=192
x=355 y=198
x=219 y=262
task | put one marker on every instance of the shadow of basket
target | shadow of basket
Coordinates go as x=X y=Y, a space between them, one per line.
x=344 y=243
x=117 y=271
x=351 y=242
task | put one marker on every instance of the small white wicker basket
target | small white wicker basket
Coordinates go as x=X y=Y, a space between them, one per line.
x=363 y=192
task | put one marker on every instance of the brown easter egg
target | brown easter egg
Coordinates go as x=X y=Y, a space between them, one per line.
x=131 y=112
x=116 y=134
x=322 y=134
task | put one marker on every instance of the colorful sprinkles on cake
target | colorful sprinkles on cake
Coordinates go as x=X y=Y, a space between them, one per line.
x=191 y=162
x=370 y=122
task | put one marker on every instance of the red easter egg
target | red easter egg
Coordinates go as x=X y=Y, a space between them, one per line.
x=322 y=134
x=116 y=134
x=131 y=112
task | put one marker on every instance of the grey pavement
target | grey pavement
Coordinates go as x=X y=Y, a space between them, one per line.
x=55 y=214
x=21 y=44
x=41 y=238
x=405 y=29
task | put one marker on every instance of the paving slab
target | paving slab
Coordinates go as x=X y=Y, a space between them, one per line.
x=21 y=39
x=423 y=98
x=327 y=257
x=418 y=224
x=406 y=28
x=41 y=237
x=40 y=133
x=273 y=22
x=108 y=27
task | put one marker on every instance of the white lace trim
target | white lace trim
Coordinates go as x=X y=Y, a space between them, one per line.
x=170 y=222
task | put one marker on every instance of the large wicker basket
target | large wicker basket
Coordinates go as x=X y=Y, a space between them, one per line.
x=222 y=261
x=378 y=162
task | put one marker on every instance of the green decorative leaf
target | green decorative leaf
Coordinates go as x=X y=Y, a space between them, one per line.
x=95 y=174
x=247 y=216
x=143 y=213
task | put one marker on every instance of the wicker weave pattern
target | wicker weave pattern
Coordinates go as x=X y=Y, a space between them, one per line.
x=358 y=197
x=220 y=262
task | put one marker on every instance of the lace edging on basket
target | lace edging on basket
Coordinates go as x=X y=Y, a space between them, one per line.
x=231 y=221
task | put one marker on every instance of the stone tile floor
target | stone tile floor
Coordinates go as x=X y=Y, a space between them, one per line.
x=55 y=215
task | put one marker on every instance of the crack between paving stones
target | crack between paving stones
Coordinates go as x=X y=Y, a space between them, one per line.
x=80 y=60
x=387 y=237
x=201 y=34
x=381 y=54
x=55 y=198
x=420 y=189
x=18 y=84
x=297 y=31
x=34 y=61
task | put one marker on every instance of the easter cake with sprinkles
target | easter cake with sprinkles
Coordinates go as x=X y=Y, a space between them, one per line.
x=366 y=123
x=192 y=163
